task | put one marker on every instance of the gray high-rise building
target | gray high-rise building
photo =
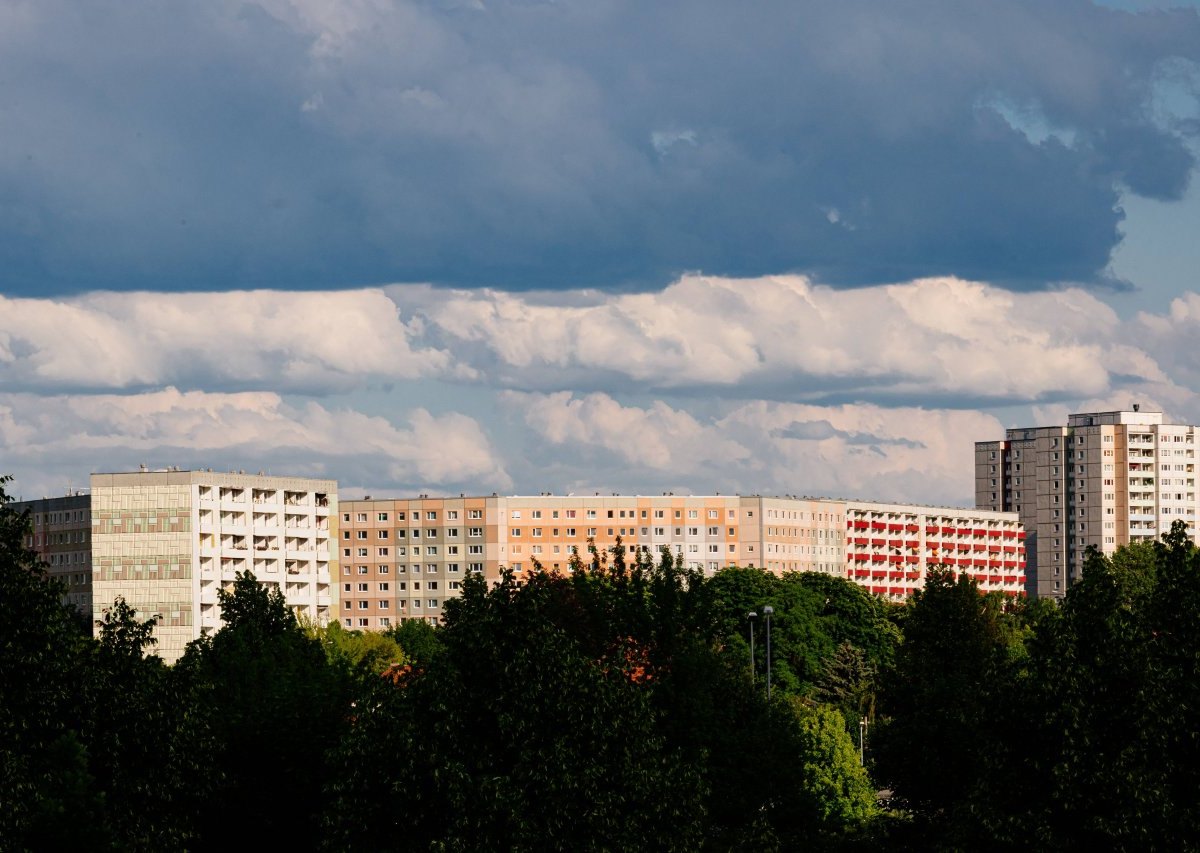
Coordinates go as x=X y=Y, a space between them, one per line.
x=1104 y=479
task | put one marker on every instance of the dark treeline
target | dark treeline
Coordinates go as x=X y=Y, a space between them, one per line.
x=614 y=707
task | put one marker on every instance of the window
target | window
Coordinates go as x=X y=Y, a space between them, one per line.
x=692 y=513
x=537 y=513
x=383 y=570
x=516 y=531
x=431 y=585
x=363 y=587
x=383 y=534
x=345 y=534
x=432 y=603
x=537 y=531
x=474 y=549
x=362 y=534
x=383 y=587
x=384 y=622
x=362 y=570
x=474 y=513
x=362 y=517
x=364 y=605
x=475 y=531
x=431 y=516
x=383 y=552
x=452 y=515
x=363 y=623
x=382 y=516
x=452 y=568
x=362 y=552
x=383 y=605
x=345 y=587
x=570 y=531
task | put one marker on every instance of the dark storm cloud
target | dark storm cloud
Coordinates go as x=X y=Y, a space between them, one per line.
x=321 y=144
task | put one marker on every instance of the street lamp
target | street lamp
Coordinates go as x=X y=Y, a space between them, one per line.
x=862 y=732
x=751 y=616
x=768 y=611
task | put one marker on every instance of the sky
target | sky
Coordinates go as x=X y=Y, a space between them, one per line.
x=787 y=247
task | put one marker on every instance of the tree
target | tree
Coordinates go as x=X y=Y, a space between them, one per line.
x=956 y=646
x=539 y=743
x=277 y=706
x=46 y=791
x=361 y=655
x=836 y=786
x=147 y=736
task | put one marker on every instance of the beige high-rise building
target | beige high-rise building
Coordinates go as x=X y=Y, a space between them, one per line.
x=401 y=559
x=167 y=541
x=1105 y=479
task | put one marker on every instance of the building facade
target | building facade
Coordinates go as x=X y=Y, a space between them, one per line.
x=401 y=559
x=61 y=534
x=167 y=541
x=1103 y=479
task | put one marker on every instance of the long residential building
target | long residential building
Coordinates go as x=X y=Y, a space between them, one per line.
x=402 y=558
x=167 y=541
x=1103 y=479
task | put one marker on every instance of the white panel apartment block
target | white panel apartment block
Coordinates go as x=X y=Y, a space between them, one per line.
x=167 y=541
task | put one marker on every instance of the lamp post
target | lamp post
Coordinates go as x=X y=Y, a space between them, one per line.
x=768 y=611
x=862 y=731
x=751 y=616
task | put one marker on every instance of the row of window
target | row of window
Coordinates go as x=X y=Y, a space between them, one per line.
x=401 y=586
x=430 y=515
x=414 y=568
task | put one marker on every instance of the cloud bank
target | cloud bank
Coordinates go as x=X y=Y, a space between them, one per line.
x=776 y=384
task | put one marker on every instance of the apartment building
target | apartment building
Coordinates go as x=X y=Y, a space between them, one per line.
x=167 y=541
x=401 y=559
x=61 y=534
x=1103 y=479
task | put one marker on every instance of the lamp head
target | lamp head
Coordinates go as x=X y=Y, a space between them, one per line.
x=752 y=615
x=768 y=610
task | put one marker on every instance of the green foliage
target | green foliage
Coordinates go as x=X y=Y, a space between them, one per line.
x=956 y=647
x=43 y=769
x=276 y=707
x=148 y=737
x=417 y=639
x=836 y=784
x=814 y=615
x=361 y=655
